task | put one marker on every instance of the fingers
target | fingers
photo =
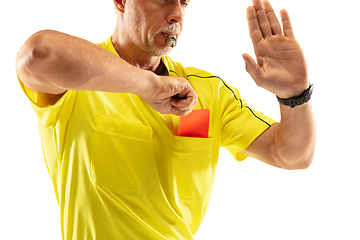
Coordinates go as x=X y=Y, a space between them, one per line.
x=285 y=18
x=252 y=68
x=173 y=96
x=182 y=106
x=254 y=28
x=262 y=18
x=274 y=23
x=185 y=101
x=263 y=22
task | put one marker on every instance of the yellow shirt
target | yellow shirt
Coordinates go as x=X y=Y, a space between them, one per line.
x=120 y=172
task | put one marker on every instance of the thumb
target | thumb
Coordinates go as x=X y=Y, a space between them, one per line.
x=251 y=67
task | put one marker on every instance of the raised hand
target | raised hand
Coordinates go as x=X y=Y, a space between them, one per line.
x=280 y=67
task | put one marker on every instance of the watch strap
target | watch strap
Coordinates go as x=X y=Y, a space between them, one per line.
x=298 y=100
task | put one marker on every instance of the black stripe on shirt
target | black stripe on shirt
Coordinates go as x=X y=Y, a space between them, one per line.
x=174 y=72
x=223 y=83
x=192 y=75
x=258 y=116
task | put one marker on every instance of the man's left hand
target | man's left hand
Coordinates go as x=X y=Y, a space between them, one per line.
x=280 y=67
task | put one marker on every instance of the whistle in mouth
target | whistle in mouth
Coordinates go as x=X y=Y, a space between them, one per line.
x=171 y=42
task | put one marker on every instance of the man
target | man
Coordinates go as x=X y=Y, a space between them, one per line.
x=109 y=120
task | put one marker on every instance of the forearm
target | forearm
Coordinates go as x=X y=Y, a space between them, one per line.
x=54 y=62
x=294 y=137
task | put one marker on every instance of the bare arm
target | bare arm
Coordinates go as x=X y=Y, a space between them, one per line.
x=51 y=63
x=289 y=144
x=281 y=69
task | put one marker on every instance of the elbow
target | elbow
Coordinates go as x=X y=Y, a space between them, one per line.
x=308 y=160
x=298 y=162
x=33 y=55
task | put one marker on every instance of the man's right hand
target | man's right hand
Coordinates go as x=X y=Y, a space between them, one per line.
x=170 y=95
x=51 y=62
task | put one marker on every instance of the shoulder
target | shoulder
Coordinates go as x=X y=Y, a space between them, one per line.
x=201 y=80
x=192 y=74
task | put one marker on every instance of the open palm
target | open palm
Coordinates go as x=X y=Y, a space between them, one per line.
x=281 y=67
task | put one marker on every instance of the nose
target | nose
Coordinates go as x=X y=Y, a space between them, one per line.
x=177 y=13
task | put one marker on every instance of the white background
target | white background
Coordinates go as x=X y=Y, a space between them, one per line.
x=251 y=200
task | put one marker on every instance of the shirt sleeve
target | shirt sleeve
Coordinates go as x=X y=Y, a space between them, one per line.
x=51 y=115
x=240 y=125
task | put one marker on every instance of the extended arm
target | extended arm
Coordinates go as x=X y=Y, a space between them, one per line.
x=51 y=63
x=281 y=69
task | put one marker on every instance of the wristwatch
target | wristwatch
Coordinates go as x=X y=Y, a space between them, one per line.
x=298 y=100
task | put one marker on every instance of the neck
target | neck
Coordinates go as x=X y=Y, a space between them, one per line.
x=136 y=56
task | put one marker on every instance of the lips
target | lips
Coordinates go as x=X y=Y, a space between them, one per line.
x=168 y=35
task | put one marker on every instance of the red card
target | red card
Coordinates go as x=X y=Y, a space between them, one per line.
x=195 y=124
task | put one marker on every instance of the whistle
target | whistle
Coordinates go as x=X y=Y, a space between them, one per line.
x=170 y=42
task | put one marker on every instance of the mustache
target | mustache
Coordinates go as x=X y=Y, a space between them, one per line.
x=172 y=29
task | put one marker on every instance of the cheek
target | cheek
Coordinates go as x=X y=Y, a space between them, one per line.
x=134 y=25
x=134 y=16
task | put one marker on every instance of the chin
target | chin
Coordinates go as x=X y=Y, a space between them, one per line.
x=159 y=52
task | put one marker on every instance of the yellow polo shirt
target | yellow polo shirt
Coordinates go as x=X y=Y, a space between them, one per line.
x=120 y=172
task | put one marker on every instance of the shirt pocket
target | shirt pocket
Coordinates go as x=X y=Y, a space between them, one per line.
x=191 y=166
x=122 y=154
